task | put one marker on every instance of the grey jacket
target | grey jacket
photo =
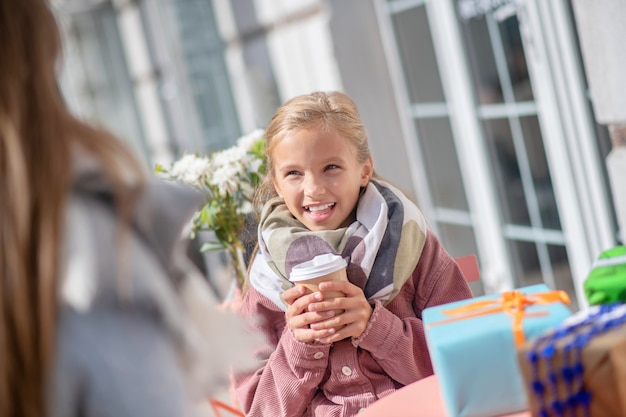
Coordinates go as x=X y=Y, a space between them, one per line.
x=138 y=333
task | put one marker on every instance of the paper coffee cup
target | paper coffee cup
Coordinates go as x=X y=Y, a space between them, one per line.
x=327 y=267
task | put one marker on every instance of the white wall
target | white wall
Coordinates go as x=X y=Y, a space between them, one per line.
x=602 y=33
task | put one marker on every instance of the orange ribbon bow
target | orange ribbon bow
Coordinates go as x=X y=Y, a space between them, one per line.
x=512 y=303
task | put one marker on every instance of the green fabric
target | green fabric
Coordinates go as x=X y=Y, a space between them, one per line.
x=606 y=282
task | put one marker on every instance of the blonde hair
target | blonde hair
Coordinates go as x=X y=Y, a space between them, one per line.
x=37 y=138
x=330 y=111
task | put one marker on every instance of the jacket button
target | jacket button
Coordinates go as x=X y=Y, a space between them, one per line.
x=318 y=355
x=346 y=370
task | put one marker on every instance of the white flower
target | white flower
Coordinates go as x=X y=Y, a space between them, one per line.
x=246 y=208
x=226 y=179
x=234 y=155
x=255 y=165
x=192 y=169
x=247 y=142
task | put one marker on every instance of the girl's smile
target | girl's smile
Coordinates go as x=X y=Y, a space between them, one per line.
x=320 y=213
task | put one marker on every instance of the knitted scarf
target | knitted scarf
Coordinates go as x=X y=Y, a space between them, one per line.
x=382 y=246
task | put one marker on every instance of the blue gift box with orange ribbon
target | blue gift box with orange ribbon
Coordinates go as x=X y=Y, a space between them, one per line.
x=473 y=347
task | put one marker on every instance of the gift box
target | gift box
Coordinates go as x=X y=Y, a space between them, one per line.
x=473 y=347
x=579 y=368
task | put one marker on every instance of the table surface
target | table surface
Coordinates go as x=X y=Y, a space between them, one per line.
x=419 y=399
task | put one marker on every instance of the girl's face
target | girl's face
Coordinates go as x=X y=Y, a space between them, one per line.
x=319 y=177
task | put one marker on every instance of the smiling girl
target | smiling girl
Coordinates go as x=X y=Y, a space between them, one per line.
x=334 y=357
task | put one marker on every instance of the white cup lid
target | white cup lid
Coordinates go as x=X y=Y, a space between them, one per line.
x=320 y=265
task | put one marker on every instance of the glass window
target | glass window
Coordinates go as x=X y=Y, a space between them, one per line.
x=526 y=263
x=487 y=51
x=506 y=171
x=529 y=271
x=459 y=240
x=481 y=58
x=203 y=54
x=418 y=55
x=515 y=59
x=540 y=173
x=511 y=131
x=95 y=78
x=260 y=75
x=442 y=163
x=562 y=273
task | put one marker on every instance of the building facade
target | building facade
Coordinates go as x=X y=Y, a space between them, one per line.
x=478 y=109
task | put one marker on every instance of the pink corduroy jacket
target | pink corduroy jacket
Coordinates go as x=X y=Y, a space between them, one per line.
x=301 y=379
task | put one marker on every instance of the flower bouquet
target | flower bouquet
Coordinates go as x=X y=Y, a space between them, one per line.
x=227 y=179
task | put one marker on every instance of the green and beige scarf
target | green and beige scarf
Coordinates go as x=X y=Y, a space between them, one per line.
x=382 y=246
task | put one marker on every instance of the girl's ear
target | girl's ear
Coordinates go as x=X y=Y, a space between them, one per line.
x=277 y=188
x=367 y=171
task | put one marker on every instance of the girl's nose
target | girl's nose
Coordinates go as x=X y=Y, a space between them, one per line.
x=313 y=186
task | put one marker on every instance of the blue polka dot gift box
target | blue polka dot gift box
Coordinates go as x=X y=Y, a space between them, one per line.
x=473 y=347
x=579 y=368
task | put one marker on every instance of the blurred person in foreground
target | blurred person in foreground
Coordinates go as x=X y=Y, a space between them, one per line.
x=101 y=313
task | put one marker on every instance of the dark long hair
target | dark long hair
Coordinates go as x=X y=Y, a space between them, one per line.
x=38 y=136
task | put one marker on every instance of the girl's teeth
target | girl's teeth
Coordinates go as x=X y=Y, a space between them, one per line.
x=318 y=208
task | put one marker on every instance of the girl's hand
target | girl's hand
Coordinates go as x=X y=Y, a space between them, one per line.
x=300 y=319
x=356 y=312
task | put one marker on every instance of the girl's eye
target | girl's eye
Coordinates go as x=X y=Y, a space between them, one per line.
x=331 y=166
x=289 y=173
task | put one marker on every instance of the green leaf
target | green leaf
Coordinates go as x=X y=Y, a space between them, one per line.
x=258 y=148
